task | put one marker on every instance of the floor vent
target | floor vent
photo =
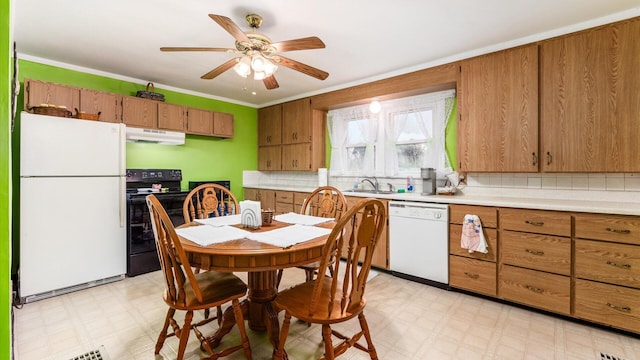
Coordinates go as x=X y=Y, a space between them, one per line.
x=98 y=354
x=604 y=356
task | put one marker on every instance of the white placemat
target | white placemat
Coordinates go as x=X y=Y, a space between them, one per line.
x=220 y=220
x=289 y=235
x=207 y=235
x=293 y=218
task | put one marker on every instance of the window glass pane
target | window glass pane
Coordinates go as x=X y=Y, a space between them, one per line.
x=411 y=156
x=413 y=130
x=355 y=158
x=355 y=131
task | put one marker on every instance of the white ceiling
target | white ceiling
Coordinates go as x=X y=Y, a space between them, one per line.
x=365 y=40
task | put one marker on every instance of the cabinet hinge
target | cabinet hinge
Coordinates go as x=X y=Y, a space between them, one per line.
x=460 y=68
x=460 y=165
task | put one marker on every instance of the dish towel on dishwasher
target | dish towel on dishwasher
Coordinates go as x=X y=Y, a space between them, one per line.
x=472 y=235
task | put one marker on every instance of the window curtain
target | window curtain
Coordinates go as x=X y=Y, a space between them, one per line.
x=338 y=122
x=395 y=115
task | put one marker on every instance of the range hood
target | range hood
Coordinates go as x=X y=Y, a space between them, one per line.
x=154 y=136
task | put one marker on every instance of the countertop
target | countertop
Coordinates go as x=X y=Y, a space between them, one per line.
x=591 y=206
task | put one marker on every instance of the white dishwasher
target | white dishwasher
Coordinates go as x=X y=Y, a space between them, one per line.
x=419 y=241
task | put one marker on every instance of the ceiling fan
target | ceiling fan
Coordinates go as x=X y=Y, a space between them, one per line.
x=260 y=57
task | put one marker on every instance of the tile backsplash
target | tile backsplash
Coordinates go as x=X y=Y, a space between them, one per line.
x=622 y=187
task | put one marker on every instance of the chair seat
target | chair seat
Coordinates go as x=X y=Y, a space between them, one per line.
x=295 y=300
x=216 y=287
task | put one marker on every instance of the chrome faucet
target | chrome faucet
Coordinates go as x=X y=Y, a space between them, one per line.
x=373 y=183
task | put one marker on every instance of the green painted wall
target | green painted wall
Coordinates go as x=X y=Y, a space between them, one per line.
x=5 y=180
x=201 y=158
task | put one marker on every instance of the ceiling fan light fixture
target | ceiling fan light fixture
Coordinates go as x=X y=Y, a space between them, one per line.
x=259 y=75
x=375 y=106
x=243 y=67
x=258 y=63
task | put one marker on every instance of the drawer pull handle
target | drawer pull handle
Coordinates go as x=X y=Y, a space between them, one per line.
x=619 y=308
x=622 y=266
x=535 y=252
x=536 y=290
x=473 y=276
x=534 y=223
x=619 y=231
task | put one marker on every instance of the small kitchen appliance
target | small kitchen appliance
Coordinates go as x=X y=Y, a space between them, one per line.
x=428 y=176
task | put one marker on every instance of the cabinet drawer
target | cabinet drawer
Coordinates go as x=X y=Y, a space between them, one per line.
x=471 y=274
x=298 y=198
x=536 y=221
x=488 y=215
x=535 y=288
x=284 y=197
x=608 y=304
x=536 y=251
x=608 y=262
x=455 y=233
x=624 y=229
x=283 y=208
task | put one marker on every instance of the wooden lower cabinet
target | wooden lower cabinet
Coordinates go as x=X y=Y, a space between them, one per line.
x=535 y=288
x=536 y=251
x=617 y=264
x=607 y=304
x=473 y=275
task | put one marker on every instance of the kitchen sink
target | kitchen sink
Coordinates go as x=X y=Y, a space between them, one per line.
x=370 y=191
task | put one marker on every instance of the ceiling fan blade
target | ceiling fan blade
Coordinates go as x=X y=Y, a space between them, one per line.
x=230 y=27
x=308 y=43
x=220 y=69
x=303 y=68
x=196 y=49
x=270 y=82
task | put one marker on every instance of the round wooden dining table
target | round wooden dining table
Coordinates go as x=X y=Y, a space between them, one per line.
x=261 y=261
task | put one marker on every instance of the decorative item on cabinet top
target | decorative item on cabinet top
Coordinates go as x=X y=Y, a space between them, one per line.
x=153 y=95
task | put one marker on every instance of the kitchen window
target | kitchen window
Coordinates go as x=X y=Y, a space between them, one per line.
x=406 y=135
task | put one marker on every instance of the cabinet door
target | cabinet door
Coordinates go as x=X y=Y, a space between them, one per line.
x=296 y=121
x=199 y=121
x=39 y=92
x=222 y=125
x=267 y=199
x=171 y=117
x=251 y=194
x=269 y=158
x=107 y=104
x=381 y=252
x=590 y=100
x=498 y=127
x=296 y=157
x=139 y=112
x=270 y=125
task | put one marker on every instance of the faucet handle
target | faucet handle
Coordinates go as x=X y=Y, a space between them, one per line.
x=391 y=187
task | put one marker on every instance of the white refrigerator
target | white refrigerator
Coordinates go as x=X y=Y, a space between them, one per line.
x=72 y=205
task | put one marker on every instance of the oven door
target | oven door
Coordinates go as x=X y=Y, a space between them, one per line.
x=141 y=247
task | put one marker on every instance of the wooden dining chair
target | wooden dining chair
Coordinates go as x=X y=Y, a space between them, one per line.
x=208 y=200
x=329 y=300
x=189 y=292
x=325 y=201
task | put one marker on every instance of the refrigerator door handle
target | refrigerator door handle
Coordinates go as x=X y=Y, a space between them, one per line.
x=123 y=149
x=123 y=201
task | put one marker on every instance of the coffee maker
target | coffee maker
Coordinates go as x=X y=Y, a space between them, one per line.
x=428 y=176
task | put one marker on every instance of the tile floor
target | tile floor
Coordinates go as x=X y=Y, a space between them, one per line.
x=407 y=320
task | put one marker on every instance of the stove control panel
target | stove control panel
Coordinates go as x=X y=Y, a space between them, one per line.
x=153 y=175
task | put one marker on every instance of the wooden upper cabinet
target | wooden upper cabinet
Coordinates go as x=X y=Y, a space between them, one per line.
x=40 y=92
x=590 y=103
x=270 y=125
x=199 y=121
x=270 y=158
x=222 y=125
x=107 y=104
x=171 y=117
x=296 y=121
x=138 y=112
x=296 y=157
x=498 y=127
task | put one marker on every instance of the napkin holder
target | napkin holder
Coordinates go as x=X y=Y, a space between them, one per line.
x=251 y=214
